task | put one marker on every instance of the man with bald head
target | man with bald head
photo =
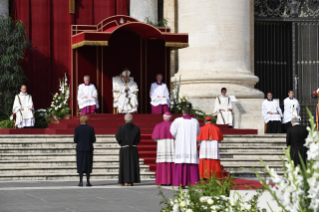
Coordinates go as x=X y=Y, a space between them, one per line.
x=23 y=108
x=128 y=136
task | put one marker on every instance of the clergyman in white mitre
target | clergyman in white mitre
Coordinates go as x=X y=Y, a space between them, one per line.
x=126 y=94
x=159 y=96
x=272 y=114
x=223 y=109
x=87 y=97
x=23 y=108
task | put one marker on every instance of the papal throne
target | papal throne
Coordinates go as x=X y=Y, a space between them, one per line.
x=116 y=81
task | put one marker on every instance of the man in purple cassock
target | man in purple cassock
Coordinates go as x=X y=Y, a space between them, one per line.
x=159 y=94
x=165 y=151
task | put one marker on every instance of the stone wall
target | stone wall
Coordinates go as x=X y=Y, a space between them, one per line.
x=142 y=9
x=4 y=8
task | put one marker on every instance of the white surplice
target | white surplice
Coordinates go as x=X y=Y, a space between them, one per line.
x=88 y=91
x=24 y=118
x=165 y=150
x=159 y=94
x=209 y=150
x=185 y=132
x=126 y=101
x=271 y=106
x=292 y=109
x=223 y=117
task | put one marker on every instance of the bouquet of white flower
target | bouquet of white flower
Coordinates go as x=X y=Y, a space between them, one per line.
x=59 y=104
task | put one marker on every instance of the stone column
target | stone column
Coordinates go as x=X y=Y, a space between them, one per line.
x=4 y=8
x=171 y=13
x=220 y=55
x=143 y=9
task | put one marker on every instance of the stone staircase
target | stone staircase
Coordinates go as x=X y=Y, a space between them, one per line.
x=241 y=153
x=52 y=157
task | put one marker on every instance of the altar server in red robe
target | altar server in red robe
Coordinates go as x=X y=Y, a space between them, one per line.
x=209 y=158
x=315 y=95
x=165 y=151
x=159 y=96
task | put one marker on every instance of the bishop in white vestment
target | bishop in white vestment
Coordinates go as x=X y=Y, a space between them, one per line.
x=272 y=114
x=159 y=96
x=126 y=94
x=291 y=110
x=223 y=109
x=185 y=130
x=23 y=109
x=87 y=97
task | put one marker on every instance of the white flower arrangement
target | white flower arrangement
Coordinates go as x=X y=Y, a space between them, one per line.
x=59 y=105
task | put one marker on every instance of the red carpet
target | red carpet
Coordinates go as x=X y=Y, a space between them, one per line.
x=247 y=184
x=107 y=124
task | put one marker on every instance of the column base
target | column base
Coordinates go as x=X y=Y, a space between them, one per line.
x=247 y=112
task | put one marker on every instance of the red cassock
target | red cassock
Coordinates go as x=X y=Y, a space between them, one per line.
x=208 y=166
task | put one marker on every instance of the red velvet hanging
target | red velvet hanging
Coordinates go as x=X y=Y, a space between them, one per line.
x=48 y=24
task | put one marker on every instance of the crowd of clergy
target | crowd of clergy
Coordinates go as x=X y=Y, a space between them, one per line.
x=177 y=159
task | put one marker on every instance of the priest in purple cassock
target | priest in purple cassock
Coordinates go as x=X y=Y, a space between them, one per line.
x=185 y=130
x=159 y=96
x=165 y=151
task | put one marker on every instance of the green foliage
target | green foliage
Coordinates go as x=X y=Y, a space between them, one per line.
x=6 y=124
x=211 y=195
x=161 y=23
x=41 y=119
x=13 y=45
x=215 y=186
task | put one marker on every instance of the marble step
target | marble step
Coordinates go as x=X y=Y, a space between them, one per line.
x=260 y=167
x=57 y=163
x=69 y=176
x=250 y=174
x=62 y=169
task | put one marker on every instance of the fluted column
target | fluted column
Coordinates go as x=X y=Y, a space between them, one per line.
x=220 y=54
x=142 y=9
x=220 y=48
x=4 y=8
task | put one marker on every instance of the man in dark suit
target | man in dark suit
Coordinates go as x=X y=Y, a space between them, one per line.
x=84 y=136
x=296 y=138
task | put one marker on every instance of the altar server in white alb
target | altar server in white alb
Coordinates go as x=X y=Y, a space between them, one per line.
x=87 y=97
x=185 y=130
x=126 y=94
x=223 y=109
x=291 y=110
x=159 y=96
x=272 y=114
x=23 y=109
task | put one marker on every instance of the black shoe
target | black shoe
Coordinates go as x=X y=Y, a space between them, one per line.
x=230 y=127
x=88 y=184
x=80 y=184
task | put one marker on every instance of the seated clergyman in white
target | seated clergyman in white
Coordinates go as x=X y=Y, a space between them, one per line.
x=126 y=94
x=23 y=108
x=223 y=109
x=87 y=97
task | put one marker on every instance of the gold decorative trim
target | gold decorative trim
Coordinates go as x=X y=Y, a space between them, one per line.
x=71 y=6
x=90 y=43
x=178 y=45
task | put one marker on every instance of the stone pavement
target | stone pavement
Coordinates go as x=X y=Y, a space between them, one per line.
x=105 y=195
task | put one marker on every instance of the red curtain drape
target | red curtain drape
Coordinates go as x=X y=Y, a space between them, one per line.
x=48 y=24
